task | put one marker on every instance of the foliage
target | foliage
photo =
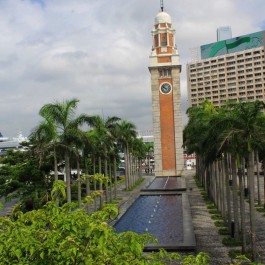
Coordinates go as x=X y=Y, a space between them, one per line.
x=214 y=211
x=137 y=183
x=242 y=259
x=200 y=259
x=236 y=254
x=21 y=176
x=260 y=209
x=66 y=235
x=219 y=223
x=58 y=190
x=231 y=242
x=223 y=231
x=216 y=217
x=211 y=206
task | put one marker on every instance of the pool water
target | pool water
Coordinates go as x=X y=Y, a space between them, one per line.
x=167 y=183
x=160 y=215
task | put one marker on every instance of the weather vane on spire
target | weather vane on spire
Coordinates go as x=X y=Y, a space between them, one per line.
x=162 y=5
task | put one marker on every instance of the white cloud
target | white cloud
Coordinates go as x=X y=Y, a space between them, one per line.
x=98 y=52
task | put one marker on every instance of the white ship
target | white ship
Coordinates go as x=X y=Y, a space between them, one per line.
x=7 y=143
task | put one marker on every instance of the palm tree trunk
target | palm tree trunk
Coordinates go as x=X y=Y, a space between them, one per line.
x=208 y=181
x=55 y=164
x=264 y=181
x=242 y=208
x=244 y=173
x=94 y=181
x=211 y=182
x=115 y=177
x=235 y=198
x=222 y=188
x=101 y=196
x=252 y=204
x=68 y=177
x=126 y=168
x=133 y=169
x=110 y=183
x=87 y=179
x=78 y=184
x=140 y=169
x=228 y=195
x=197 y=167
x=258 y=182
x=219 y=178
x=94 y=172
x=214 y=184
x=106 y=174
x=99 y=165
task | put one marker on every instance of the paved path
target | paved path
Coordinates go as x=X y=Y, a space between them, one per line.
x=7 y=206
x=206 y=233
x=208 y=239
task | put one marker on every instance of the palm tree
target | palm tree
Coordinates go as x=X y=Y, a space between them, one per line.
x=251 y=126
x=245 y=125
x=149 y=149
x=45 y=139
x=67 y=125
x=103 y=133
x=195 y=134
x=126 y=132
x=139 y=148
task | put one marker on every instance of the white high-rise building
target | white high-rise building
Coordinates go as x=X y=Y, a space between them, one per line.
x=229 y=70
x=224 y=33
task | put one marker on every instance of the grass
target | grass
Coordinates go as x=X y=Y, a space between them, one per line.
x=260 y=209
x=231 y=242
x=219 y=223
x=204 y=193
x=234 y=254
x=223 y=231
x=211 y=206
x=137 y=183
x=214 y=211
x=216 y=217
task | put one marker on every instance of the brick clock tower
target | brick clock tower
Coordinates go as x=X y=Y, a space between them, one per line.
x=166 y=100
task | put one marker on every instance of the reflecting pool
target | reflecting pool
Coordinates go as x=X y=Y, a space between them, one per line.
x=160 y=215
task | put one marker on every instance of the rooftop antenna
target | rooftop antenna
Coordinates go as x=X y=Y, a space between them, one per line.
x=162 y=5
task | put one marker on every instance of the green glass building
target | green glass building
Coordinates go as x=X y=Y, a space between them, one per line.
x=233 y=45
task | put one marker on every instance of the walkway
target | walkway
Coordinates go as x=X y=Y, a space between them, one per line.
x=207 y=237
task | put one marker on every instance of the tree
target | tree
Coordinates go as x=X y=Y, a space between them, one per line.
x=149 y=150
x=104 y=139
x=236 y=130
x=195 y=134
x=126 y=132
x=250 y=125
x=45 y=139
x=67 y=125
x=22 y=177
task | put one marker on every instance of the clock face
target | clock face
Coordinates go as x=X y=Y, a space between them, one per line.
x=166 y=88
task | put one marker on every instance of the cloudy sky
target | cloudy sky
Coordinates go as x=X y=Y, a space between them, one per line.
x=98 y=51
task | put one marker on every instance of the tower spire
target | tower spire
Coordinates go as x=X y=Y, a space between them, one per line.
x=162 y=5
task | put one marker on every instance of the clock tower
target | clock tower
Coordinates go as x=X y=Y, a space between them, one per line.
x=166 y=100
